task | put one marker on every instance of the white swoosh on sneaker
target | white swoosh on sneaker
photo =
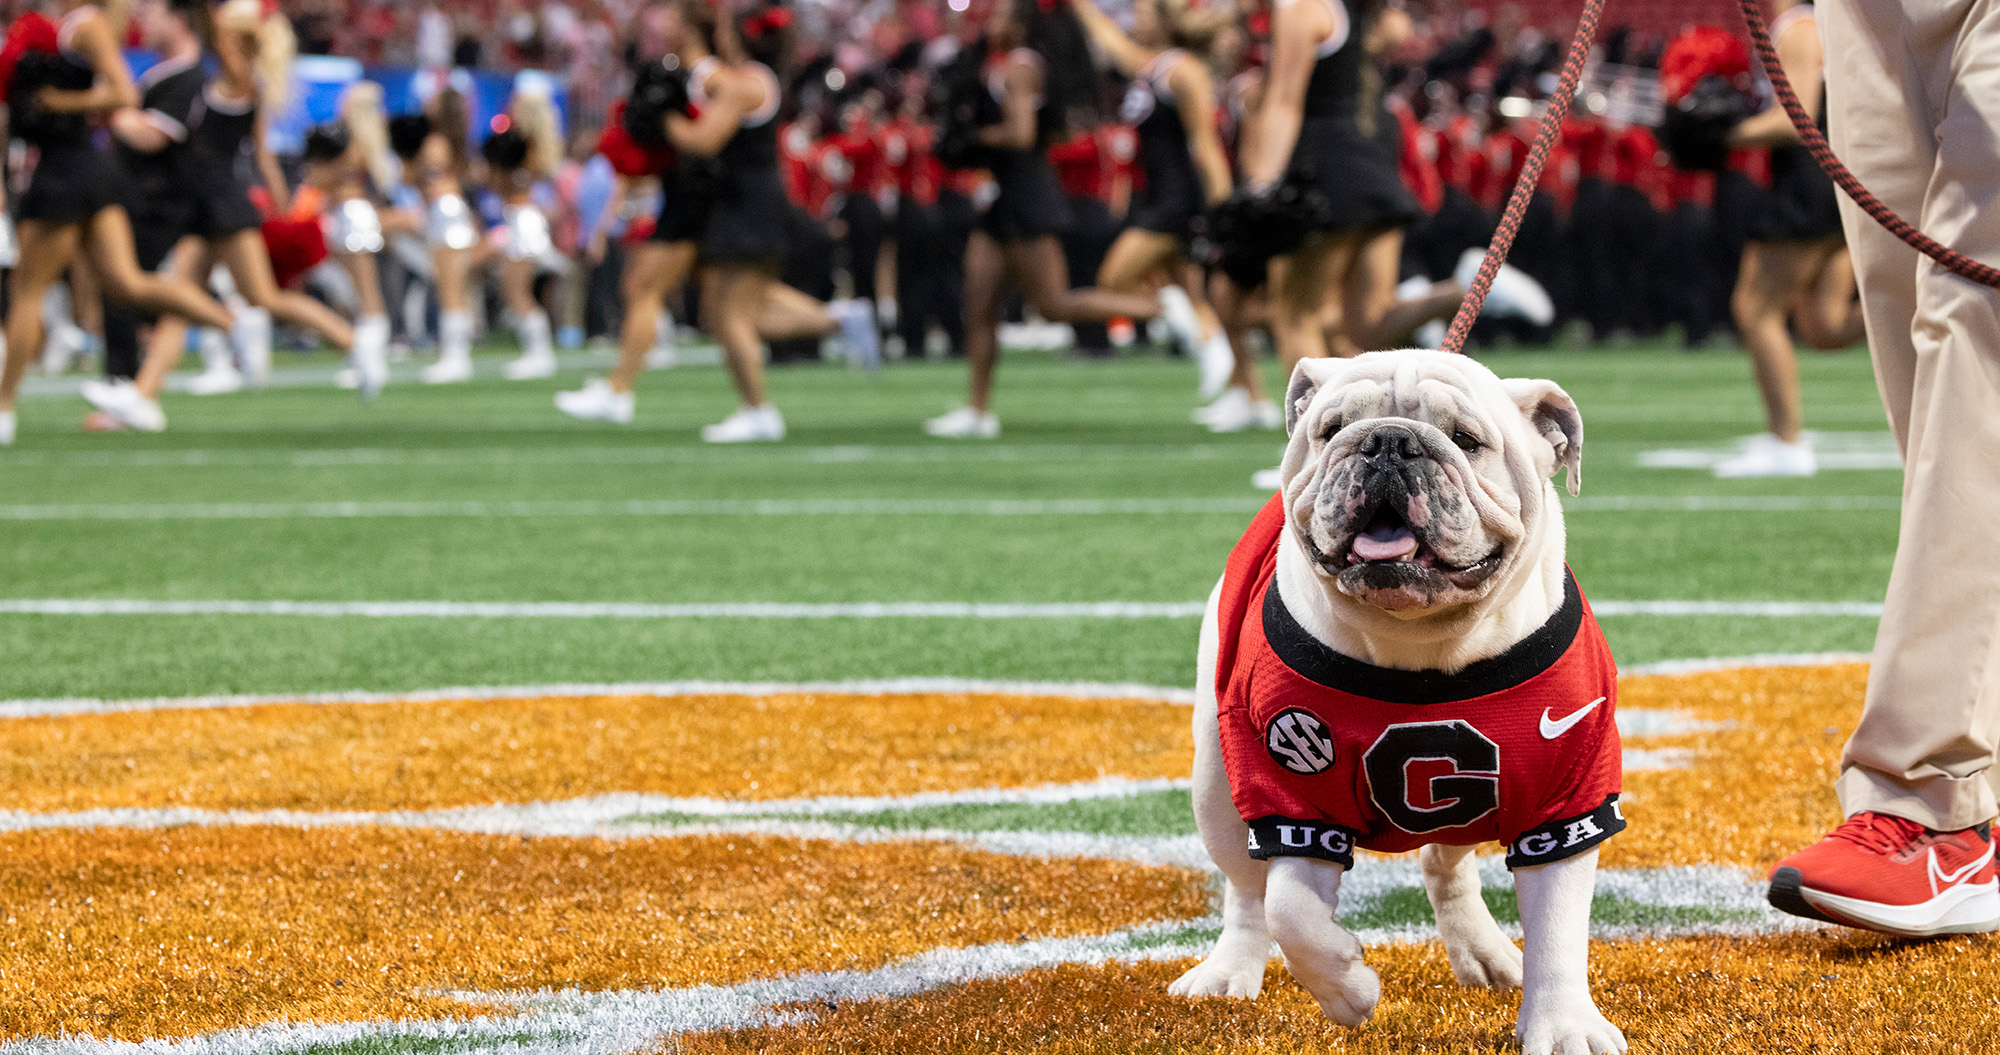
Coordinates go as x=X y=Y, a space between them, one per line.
x=1940 y=878
x=1552 y=728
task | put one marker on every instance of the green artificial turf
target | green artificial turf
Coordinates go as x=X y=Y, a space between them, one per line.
x=1409 y=906
x=1073 y=431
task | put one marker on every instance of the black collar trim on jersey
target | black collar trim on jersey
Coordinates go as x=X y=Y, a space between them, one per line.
x=1312 y=659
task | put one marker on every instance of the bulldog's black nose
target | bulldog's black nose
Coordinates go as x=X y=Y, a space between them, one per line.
x=1392 y=443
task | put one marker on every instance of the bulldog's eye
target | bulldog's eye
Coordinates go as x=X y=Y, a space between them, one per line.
x=1465 y=441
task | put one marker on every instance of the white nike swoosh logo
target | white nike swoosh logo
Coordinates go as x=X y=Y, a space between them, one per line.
x=1940 y=878
x=1552 y=728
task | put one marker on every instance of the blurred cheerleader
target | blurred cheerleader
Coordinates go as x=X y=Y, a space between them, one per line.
x=254 y=56
x=1171 y=103
x=520 y=159
x=73 y=200
x=432 y=146
x=350 y=166
x=1038 y=67
x=1321 y=120
x=734 y=224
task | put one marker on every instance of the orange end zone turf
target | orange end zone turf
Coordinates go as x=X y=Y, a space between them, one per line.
x=1824 y=994
x=144 y=934
x=476 y=752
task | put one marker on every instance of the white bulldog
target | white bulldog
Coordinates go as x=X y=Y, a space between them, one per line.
x=1421 y=533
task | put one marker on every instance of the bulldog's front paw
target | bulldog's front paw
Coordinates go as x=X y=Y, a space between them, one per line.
x=1222 y=974
x=1568 y=1027
x=1484 y=958
x=1345 y=989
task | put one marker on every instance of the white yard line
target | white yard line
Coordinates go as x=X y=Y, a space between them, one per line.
x=799 y=507
x=1632 y=721
x=613 y=609
x=1764 y=659
x=1081 y=690
x=1754 y=609
x=508 y=456
x=884 y=507
x=114 y=606
x=1730 y=503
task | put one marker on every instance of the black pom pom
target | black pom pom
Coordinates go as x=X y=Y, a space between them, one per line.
x=657 y=92
x=327 y=142
x=33 y=71
x=407 y=133
x=505 y=150
x=1695 y=131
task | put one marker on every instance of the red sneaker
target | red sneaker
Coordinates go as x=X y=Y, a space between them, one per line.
x=1889 y=874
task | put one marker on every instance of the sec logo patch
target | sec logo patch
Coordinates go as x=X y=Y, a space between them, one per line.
x=1299 y=742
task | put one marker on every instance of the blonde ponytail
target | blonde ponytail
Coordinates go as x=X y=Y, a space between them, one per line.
x=534 y=116
x=271 y=44
x=368 y=130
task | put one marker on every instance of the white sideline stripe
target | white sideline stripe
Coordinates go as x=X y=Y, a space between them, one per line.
x=615 y=609
x=1760 y=609
x=819 y=454
x=1730 y=503
x=1045 y=795
x=1653 y=722
x=84 y=606
x=997 y=507
x=1081 y=690
x=1751 y=662
x=894 y=507
x=602 y=819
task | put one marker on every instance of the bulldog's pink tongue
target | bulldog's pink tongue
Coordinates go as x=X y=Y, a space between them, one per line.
x=1386 y=543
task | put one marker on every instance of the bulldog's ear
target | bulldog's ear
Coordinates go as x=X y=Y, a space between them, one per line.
x=1553 y=416
x=1307 y=377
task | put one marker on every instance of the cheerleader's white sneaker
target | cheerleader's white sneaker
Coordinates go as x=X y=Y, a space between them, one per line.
x=748 y=425
x=964 y=423
x=448 y=371
x=122 y=401
x=1767 y=455
x=597 y=401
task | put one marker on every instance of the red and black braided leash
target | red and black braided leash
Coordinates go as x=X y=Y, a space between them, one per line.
x=1809 y=134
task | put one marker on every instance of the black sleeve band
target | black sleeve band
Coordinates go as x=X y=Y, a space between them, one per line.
x=1565 y=838
x=1285 y=837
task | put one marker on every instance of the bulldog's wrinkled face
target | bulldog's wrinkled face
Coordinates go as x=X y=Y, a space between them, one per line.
x=1413 y=478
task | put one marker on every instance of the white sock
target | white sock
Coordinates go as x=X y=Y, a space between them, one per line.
x=216 y=357
x=663 y=333
x=371 y=335
x=454 y=336
x=252 y=336
x=533 y=331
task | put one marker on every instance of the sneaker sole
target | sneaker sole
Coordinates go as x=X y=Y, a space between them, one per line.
x=1963 y=909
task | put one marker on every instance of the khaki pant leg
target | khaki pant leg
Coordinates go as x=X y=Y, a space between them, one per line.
x=1914 y=103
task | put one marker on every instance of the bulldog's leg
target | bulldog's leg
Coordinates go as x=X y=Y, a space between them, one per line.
x=1479 y=953
x=1557 y=1013
x=1236 y=966
x=1300 y=895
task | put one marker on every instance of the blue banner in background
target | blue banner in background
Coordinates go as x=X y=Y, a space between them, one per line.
x=319 y=81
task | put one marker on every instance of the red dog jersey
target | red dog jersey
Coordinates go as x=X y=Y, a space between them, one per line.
x=1326 y=753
